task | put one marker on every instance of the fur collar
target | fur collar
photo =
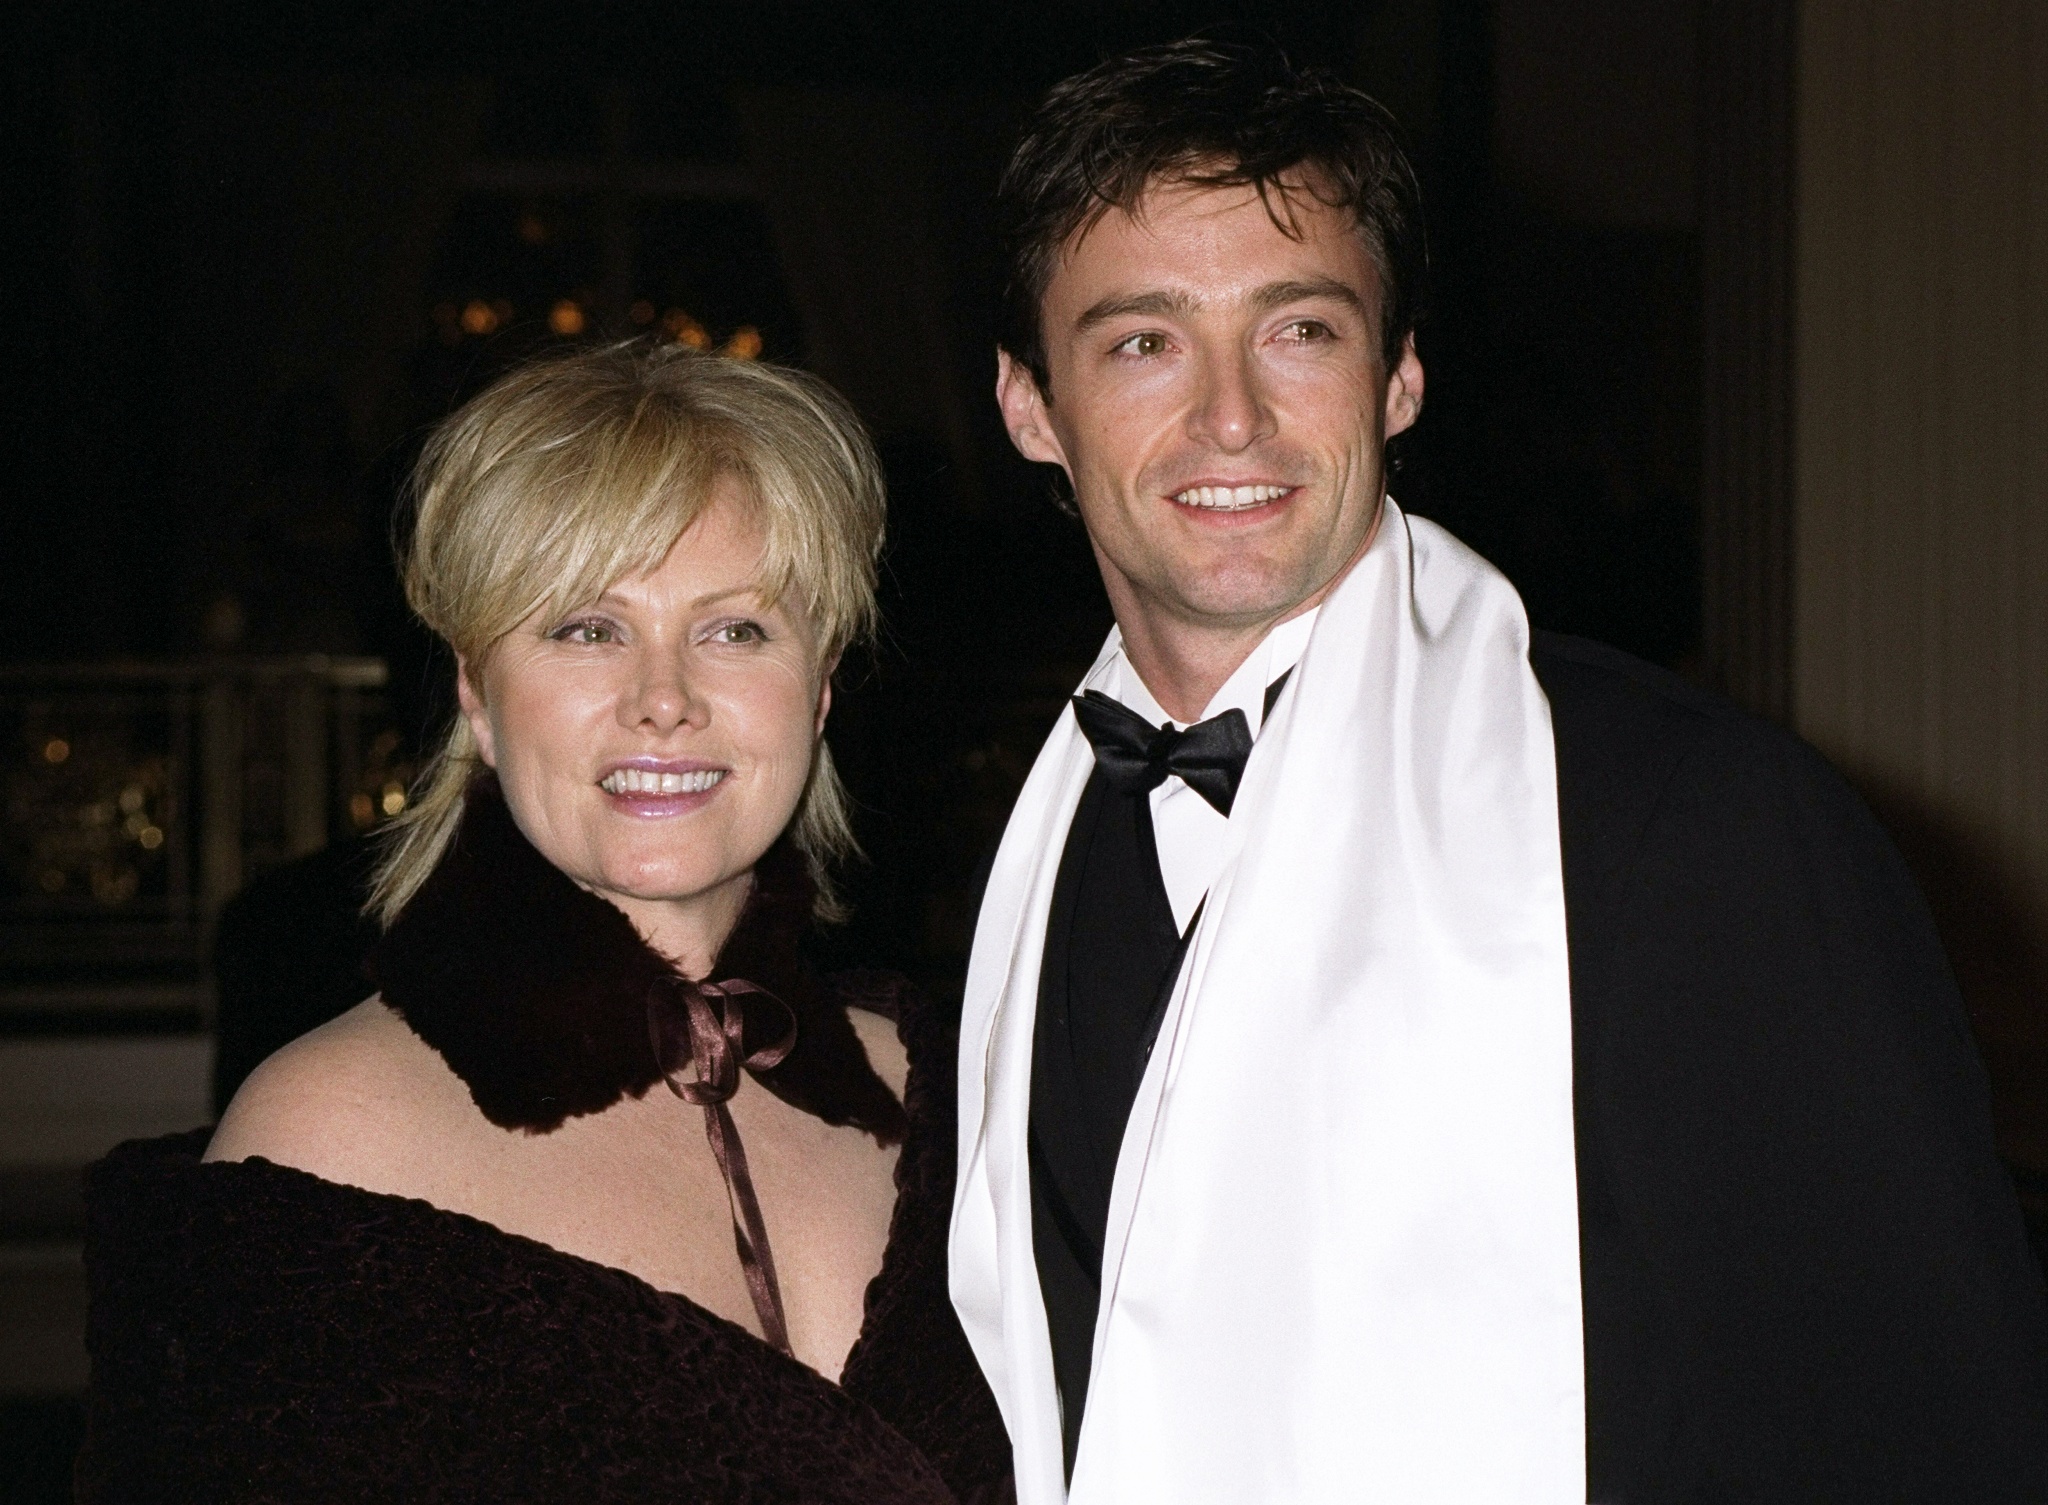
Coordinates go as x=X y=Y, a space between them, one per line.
x=535 y=991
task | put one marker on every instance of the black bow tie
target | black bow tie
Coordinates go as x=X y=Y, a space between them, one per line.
x=1136 y=756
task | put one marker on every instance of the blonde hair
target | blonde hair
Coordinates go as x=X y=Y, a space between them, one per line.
x=578 y=470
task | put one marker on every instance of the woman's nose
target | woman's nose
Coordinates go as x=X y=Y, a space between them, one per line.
x=662 y=697
x=1230 y=410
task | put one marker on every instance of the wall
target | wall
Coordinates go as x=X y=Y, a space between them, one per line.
x=1920 y=618
x=63 y=1104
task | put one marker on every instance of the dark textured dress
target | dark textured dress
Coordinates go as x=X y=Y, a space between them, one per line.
x=258 y=1334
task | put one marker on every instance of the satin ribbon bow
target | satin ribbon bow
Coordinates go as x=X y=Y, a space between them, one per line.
x=710 y=1031
x=1136 y=756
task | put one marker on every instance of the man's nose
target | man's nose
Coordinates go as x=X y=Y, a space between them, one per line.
x=1230 y=409
x=662 y=695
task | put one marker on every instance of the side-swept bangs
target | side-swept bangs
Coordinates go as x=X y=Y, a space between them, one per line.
x=581 y=470
x=577 y=472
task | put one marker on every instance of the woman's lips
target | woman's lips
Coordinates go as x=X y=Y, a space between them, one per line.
x=657 y=790
x=659 y=781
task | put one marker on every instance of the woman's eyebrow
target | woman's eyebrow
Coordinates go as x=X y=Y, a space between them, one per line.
x=712 y=598
x=614 y=600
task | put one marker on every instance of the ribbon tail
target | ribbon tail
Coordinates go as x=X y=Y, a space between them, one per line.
x=749 y=1233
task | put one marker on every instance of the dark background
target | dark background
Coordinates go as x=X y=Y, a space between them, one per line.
x=259 y=249
x=250 y=235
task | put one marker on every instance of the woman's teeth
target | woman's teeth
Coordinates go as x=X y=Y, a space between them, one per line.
x=1229 y=498
x=646 y=781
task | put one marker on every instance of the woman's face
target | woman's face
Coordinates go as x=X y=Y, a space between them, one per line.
x=654 y=743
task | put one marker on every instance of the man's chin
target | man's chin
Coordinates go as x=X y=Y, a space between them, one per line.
x=1239 y=591
x=1242 y=603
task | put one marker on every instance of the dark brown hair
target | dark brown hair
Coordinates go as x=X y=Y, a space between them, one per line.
x=1210 y=114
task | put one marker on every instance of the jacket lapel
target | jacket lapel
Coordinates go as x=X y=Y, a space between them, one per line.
x=994 y=1272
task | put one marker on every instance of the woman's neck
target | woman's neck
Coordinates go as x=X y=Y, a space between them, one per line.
x=689 y=932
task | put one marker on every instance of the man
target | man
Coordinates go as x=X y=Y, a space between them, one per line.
x=1457 y=1066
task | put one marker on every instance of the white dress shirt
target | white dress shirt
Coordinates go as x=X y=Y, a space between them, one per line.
x=1188 y=828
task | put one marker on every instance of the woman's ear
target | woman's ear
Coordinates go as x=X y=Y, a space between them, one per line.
x=471 y=697
x=825 y=695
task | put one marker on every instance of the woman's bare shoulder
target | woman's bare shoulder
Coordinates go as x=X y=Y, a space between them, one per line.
x=878 y=1037
x=359 y=1100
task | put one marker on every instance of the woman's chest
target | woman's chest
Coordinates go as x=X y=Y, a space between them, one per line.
x=638 y=1188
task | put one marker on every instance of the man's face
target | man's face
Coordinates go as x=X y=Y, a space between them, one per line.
x=1219 y=401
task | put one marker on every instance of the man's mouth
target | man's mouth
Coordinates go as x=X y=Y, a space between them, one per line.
x=647 y=781
x=1230 y=498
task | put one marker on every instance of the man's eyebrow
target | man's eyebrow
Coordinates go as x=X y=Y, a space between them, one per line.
x=1274 y=294
x=1123 y=305
x=1169 y=304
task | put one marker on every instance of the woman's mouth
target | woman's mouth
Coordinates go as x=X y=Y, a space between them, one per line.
x=648 y=781
x=652 y=790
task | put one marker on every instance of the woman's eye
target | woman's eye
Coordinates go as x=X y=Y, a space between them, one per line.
x=1147 y=344
x=586 y=632
x=739 y=632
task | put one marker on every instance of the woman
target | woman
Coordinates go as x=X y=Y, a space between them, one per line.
x=603 y=1195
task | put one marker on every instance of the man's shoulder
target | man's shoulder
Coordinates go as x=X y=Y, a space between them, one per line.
x=1634 y=739
x=1611 y=707
x=1622 y=726
x=1608 y=691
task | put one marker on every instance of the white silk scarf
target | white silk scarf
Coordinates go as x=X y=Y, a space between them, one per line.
x=1342 y=1260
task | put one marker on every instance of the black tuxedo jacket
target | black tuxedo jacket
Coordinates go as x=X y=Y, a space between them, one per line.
x=1805 y=1274
x=1804 y=1271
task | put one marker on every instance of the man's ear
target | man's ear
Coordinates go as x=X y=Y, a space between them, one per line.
x=471 y=699
x=1404 y=390
x=1024 y=413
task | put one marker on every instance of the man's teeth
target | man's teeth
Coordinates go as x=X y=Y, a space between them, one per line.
x=1227 y=498
x=646 y=781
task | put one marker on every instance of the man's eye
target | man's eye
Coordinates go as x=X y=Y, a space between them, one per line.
x=1148 y=344
x=1308 y=331
x=585 y=632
